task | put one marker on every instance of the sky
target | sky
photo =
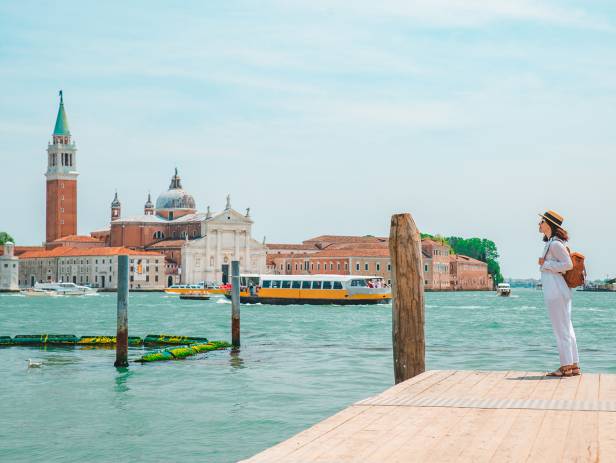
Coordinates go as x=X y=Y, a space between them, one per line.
x=323 y=117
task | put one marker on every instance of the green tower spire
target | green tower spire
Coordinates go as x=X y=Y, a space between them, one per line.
x=61 y=127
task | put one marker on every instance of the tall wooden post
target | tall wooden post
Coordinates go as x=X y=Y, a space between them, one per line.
x=122 y=331
x=235 y=303
x=408 y=298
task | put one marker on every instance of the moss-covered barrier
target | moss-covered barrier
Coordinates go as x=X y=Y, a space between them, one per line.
x=179 y=353
x=107 y=341
x=38 y=339
x=71 y=339
x=169 y=339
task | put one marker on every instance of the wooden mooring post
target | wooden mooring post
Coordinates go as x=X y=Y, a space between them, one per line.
x=122 y=331
x=409 y=344
x=235 y=303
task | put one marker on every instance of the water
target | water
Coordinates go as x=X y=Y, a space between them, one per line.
x=297 y=366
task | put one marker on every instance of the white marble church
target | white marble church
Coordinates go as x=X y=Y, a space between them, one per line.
x=226 y=236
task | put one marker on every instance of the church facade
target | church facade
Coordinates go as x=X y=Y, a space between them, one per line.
x=198 y=246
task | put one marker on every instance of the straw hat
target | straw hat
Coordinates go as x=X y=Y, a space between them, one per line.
x=554 y=218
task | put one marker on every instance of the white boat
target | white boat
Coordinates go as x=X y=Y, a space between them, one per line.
x=503 y=289
x=59 y=289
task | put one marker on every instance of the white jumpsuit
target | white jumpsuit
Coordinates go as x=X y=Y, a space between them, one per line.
x=557 y=297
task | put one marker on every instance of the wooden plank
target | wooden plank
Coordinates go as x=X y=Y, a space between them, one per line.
x=412 y=387
x=309 y=435
x=583 y=435
x=550 y=442
x=518 y=441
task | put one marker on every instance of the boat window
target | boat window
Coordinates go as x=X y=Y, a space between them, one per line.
x=327 y=285
x=275 y=284
x=286 y=284
x=267 y=283
x=337 y=285
x=306 y=284
x=242 y=281
x=296 y=284
x=361 y=283
x=316 y=285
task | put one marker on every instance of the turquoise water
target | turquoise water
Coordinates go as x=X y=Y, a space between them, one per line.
x=297 y=365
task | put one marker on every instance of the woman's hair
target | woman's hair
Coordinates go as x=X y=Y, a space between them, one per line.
x=557 y=232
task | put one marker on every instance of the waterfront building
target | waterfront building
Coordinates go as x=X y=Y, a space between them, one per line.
x=468 y=273
x=369 y=255
x=96 y=267
x=9 y=269
x=61 y=199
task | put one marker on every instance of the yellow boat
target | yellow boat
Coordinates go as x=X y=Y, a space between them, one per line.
x=313 y=289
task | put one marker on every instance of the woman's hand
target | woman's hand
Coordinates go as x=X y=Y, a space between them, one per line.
x=541 y=261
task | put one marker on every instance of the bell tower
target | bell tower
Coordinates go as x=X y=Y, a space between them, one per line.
x=61 y=180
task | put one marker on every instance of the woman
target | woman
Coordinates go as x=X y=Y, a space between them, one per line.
x=557 y=294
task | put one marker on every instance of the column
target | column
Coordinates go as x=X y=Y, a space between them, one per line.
x=236 y=242
x=247 y=254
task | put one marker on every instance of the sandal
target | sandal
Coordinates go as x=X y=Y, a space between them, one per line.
x=563 y=371
x=575 y=370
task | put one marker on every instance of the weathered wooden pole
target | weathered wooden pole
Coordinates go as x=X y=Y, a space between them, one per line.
x=408 y=298
x=235 y=303
x=122 y=332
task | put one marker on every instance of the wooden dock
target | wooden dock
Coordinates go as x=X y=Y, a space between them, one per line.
x=467 y=416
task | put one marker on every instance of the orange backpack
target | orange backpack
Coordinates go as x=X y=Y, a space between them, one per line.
x=576 y=276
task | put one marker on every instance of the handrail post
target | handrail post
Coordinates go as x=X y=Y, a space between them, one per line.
x=409 y=346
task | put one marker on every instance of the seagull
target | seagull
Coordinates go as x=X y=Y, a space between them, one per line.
x=32 y=364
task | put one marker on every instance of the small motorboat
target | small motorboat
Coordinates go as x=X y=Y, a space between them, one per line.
x=503 y=289
x=58 y=289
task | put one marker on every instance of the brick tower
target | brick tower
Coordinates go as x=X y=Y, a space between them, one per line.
x=61 y=180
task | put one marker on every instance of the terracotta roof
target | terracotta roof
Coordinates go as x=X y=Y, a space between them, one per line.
x=167 y=244
x=19 y=250
x=74 y=252
x=345 y=239
x=462 y=257
x=77 y=238
x=369 y=245
x=284 y=246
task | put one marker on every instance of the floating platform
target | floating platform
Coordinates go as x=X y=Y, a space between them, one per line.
x=467 y=416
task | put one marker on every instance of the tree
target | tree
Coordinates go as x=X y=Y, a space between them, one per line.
x=4 y=237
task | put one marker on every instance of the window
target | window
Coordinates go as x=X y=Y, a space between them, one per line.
x=366 y=267
x=267 y=283
x=389 y=267
x=338 y=266
x=318 y=266
x=327 y=285
x=295 y=266
x=331 y=266
x=378 y=267
x=357 y=266
x=425 y=267
x=311 y=266
x=132 y=278
x=156 y=278
x=147 y=278
x=306 y=284
x=296 y=284
x=316 y=285
x=275 y=284
x=425 y=282
x=361 y=283
x=288 y=267
x=346 y=265
x=337 y=285
x=286 y=284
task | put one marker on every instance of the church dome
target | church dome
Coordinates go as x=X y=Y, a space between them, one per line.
x=175 y=197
